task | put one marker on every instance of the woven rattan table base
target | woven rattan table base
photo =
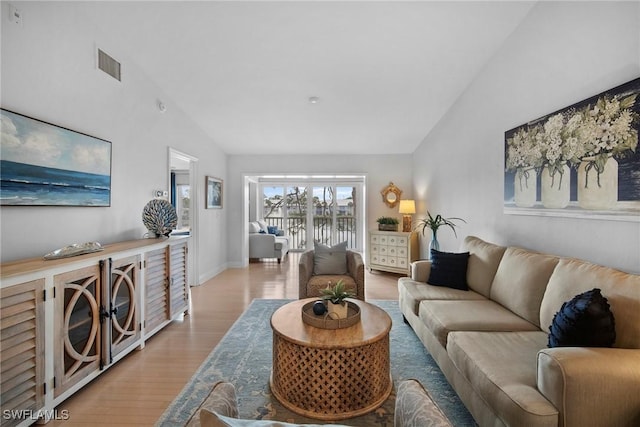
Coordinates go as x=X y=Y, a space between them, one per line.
x=331 y=383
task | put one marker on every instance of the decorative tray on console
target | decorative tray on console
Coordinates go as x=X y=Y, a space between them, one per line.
x=74 y=250
x=323 y=321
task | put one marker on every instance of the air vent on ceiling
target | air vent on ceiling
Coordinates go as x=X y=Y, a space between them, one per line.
x=108 y=65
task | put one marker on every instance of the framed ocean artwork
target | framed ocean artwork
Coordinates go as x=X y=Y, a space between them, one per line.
x=42 y=164
x=580 y=161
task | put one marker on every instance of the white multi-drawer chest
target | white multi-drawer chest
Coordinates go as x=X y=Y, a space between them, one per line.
x=392 y=251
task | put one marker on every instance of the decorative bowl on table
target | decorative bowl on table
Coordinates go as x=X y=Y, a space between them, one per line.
x=324 y=321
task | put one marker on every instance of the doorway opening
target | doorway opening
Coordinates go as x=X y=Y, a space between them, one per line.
x=183 y=187
x=321 y=208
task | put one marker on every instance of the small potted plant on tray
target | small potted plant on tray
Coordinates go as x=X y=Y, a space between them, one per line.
x=387 y=223
x=335 y=297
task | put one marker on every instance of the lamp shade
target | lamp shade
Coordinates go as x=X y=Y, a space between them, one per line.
x=407 y=207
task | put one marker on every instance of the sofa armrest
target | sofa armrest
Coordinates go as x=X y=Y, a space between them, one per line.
x=420 y=270
x=262 y=245
x=416 y=408
x=355 y=268
x=305 y=271
x=221 y=400
x=591 y=386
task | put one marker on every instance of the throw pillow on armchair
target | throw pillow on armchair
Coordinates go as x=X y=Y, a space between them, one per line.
x=330 y=259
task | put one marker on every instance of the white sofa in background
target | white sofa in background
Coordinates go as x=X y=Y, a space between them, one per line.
x=265 y=245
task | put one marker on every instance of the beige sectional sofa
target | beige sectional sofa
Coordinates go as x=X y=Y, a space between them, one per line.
x=491 y=340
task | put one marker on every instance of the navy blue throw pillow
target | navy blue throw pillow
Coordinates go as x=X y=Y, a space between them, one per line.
x=585 y=321
x=272 y=229
x=449 y=269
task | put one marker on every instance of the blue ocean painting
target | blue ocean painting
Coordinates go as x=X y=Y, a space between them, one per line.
x=47 y=165
x=23 y=184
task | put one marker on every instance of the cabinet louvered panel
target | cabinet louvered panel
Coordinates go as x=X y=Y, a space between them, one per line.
x=22 y=348
x=156 y=289
x=179 y=289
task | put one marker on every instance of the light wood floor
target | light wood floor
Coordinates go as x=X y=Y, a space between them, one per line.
x=137 y=390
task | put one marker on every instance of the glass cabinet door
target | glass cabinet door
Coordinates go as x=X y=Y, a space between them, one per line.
x=122 y=305
x=77 y=320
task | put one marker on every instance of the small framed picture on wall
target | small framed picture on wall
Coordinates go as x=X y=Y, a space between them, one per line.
x=213 y=194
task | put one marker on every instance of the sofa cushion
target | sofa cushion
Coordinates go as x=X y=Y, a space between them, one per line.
x=330 y=259
x=501 y=367
x=272 y=229
x=254 y=227
x=484 y=258
x=521 y=280
x=449 y=270
x=412 y=293
x=585 y=321
x=443 y=317
x=262 y=224
x=572 y=277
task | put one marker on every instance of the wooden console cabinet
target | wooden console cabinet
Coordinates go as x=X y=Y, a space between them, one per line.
x=63 y=322
x=392 y=251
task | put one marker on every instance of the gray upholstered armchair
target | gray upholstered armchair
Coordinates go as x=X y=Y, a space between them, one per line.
x=310 y=283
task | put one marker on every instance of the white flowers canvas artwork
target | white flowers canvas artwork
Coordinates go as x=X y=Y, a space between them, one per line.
x=582 y=160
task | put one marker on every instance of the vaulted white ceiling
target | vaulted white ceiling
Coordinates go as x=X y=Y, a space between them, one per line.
x=384 y=72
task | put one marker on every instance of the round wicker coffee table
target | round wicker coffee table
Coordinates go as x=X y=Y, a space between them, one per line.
x=331 y=374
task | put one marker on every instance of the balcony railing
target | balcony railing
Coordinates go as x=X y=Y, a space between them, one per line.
x=296 y=230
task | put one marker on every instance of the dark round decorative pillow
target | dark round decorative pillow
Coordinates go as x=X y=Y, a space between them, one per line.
x=585 y=321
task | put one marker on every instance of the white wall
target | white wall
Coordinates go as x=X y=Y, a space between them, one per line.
x=49 y=73
x=562 y=53
x=380 y=169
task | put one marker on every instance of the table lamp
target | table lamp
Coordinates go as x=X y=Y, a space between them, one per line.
x=407 y=208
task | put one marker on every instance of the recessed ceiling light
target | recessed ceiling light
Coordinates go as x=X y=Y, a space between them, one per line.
x=313 y=100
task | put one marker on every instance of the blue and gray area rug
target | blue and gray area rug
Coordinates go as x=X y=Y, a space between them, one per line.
x=243 y=357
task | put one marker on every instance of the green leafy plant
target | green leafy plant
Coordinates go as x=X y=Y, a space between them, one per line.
x=387 y=220
x=337 y=293
x=436 y=222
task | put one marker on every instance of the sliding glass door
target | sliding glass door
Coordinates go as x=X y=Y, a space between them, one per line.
x=296 y=214
x=333 y=211
x=348 y=217
x=322 y=215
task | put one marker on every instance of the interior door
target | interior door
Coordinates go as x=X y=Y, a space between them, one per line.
x=189 y=165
